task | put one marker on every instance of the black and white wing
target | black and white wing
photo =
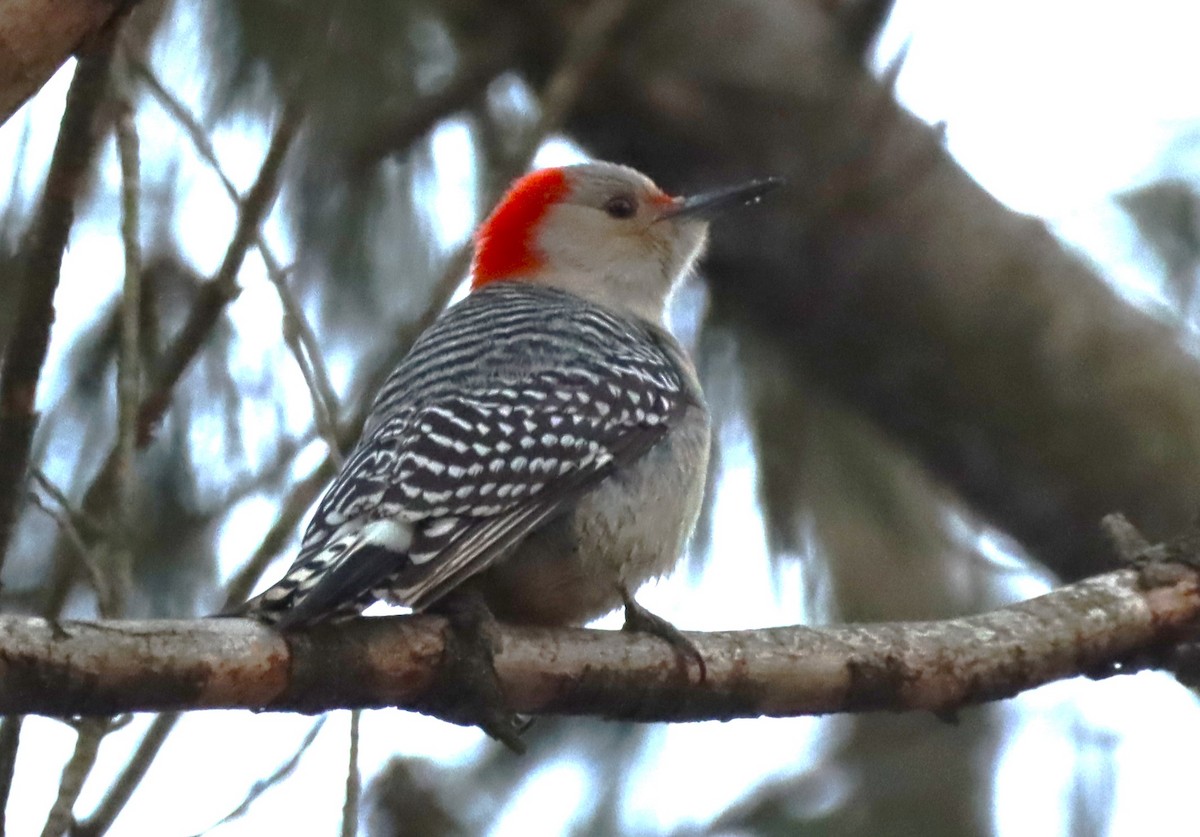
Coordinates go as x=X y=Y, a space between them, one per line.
x=459 y=467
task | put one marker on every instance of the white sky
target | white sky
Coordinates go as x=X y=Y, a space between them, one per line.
x=1052 y=106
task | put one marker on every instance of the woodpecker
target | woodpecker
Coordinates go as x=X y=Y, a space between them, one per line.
x=545 y=443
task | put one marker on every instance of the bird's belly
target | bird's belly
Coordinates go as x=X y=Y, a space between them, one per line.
x=629 y=529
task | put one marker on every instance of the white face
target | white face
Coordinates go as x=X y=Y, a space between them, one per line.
x=609 y=241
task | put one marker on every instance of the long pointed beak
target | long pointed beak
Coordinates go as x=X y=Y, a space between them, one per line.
x=710 y=204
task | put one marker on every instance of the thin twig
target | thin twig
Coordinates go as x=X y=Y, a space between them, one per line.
x=75 y=538
x=222 y=288
x=1128 y=542
x=128 y=361
x=25 y=354
x=353 y=780
x=297 y=332
x=302 y=343
x=41 y=266
x=10 y=735
x=284 y=770
x=213 y=296
x=286 y=520
x=190 y=125
x=87 y=746
x=122 y=789
x=302 y=496
x=88 y=527
x=80 y=532
x=113 y=588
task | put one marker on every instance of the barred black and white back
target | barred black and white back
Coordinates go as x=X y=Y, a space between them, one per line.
x=514 y=404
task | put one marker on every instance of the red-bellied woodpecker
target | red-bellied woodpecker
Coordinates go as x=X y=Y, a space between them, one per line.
x=545 y=442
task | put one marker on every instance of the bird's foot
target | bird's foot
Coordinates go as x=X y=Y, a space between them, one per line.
x=637 y=618
x=467 y=690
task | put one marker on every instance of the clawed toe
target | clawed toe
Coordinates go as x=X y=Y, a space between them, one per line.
x=467 y=690
x=637 y=618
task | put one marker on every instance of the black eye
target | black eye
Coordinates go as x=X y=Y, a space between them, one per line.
x=622 y=206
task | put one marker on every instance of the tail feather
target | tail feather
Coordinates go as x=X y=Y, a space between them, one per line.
x=339 y=580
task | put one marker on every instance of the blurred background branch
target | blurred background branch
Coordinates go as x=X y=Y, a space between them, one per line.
x=39 y=35
x=43 y=248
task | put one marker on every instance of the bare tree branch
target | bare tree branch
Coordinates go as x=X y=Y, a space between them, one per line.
x=41 y=263
x=993 y=352
x=66 y=525
x=91 y=732
x=213 y=296
x=399 y=133
x=353 y=780
x=1099 y=625
x=222 y=288
x=298 y=334
x=129 y=372
x=302 y=343
x=10 y=734
x=37 y=36
x=73 y=517
x=125 y=784
x=119 y=580
x=283 y=772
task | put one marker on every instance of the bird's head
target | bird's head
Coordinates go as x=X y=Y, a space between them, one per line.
x=601 y=231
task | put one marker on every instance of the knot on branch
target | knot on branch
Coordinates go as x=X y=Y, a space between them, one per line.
x=1158 y=565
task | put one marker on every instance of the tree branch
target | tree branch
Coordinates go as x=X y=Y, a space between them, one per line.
x=130 y=777
x=214 y=295
x=288 y=517
x=90 y=732
x=298 y=334
x=222 y=288
x=41 y=265
x=42 y=257
x=129 y=372
x=993 y=352
x=37 y=36
x=350 y=807
x=397 y=132
x=1094 y=627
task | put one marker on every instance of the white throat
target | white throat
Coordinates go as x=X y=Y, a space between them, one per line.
x=631 y=272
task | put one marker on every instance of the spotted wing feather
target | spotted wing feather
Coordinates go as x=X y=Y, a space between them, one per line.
x=451 y=477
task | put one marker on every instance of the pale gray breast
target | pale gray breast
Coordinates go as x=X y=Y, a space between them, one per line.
x=629 y=528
